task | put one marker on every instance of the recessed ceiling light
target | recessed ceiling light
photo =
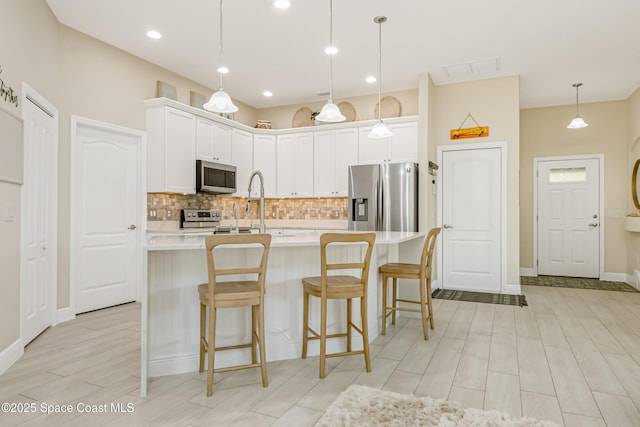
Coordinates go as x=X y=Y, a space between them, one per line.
x=267 y=93
x=370 y=79
x=223 y=70
x=153 y=34
x=282 y=4
x=331 y=50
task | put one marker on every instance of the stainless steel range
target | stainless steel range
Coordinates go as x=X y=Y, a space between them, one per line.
x=200 y=219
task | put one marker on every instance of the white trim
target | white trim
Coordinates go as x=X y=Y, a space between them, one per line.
x=536 y=161
x=504 y=287
x=10 y=355
x=76 y=122
x=529 y=272
x=512 y=289
x=634 y=280
x=65 y=315
x=614 y=277
x=32 y=96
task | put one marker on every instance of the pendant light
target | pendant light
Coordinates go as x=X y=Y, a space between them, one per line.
x=380 y=130
x=220 y=101
x=577 y=122
x=330 y=112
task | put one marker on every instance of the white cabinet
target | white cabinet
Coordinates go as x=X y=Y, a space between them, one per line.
x=213 y=141
x=295 y=165
x=334 y=151
x=242 y=158
x=401 y=147
x=171 y=135
x=264 y=160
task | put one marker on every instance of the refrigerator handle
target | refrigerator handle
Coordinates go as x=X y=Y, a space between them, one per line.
x=380 y=216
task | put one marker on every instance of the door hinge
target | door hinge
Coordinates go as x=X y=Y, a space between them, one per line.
x=537 y=263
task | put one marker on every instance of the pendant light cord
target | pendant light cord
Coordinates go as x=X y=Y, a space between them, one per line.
x=331 y=54
x=221 y=63
x=379 y=70
x=577 y=103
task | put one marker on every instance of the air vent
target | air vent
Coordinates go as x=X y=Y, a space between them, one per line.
x=321 y=93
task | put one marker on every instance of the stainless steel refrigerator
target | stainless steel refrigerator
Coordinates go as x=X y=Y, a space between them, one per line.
x=383 y=197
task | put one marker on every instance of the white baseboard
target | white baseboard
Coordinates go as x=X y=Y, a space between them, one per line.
x=634 y=280
x=614 y=277
x=512 y=289
x=530 y=272
x=65 y=314
x=10 y=355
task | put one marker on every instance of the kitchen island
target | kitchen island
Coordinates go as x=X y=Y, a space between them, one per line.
x=176 y=264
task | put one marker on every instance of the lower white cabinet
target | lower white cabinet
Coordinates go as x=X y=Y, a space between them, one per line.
x=295 y=165
x=333 y=152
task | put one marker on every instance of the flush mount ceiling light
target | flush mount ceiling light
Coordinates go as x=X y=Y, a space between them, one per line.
x=282 y=4
x=267 y=93
x=380 y=130
x=220 y=101
x=153 y=34
x=370 y=79
x=577 y=122
x=330 y=112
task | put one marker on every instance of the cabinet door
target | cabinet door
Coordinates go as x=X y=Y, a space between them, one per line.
x=303 y=164
x=324 y=167
x=242 y=158
x=222 y=143
x=205 y=135
x=346 y=154
x=403 y=146
x=371 y=151
x=286 y=160
x=264 y=160
x=180 y=151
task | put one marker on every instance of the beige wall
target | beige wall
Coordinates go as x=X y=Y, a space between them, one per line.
x=633 y=150
x=493 y=103
x=282 y=117
x=544 y=133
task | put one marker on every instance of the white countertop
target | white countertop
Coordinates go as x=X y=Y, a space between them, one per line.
x=172 y=241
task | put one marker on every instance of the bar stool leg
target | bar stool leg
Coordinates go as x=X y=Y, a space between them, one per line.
x=395 y=296
x=323 y=336
x=305 y=324
x=211 y=349
x=384 y=303
x=423 y=309
x=365 y=332
x=429 y=302
x=203 y=328
x=349 y=324
x=263 y=352
x=254 y=331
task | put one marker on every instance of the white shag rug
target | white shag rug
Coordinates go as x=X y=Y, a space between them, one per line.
x=364 y=406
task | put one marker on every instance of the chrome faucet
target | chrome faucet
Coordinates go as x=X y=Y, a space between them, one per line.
x=234 y=212
x=261 y=226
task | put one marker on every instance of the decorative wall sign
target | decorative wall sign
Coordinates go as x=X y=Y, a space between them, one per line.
x=11 y=147
x=7 y=94
x=463 y=133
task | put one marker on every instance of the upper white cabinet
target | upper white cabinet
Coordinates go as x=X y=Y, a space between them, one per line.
x=242 y=158
x=333 y=152
x=264 y=160
x=213 y=141
x=401 y=147
x=171 y=135
x=295 y=165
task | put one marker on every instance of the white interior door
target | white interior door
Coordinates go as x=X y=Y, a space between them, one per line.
x=107 y=184
x=471 y=203
x=569 y=217
x=39 y=216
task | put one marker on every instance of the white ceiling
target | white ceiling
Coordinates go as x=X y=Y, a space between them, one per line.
x=549 y=43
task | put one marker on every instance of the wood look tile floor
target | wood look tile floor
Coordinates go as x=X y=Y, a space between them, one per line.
x=572 y=356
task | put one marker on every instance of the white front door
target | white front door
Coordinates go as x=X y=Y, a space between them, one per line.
x=471 y=203
x=569 y=217
x=38 y=216
x=107 y=193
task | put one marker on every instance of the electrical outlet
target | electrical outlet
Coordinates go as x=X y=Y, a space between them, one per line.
x=153 y=213
x=169 y=214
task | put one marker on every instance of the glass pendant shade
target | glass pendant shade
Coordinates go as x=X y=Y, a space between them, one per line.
x=220 y=102
x=380 y=130
x=330 y=113
x=577 y=123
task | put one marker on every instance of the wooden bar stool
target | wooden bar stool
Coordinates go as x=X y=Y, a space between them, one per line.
x=328 y=287
x=249 y=293
x=422 y=272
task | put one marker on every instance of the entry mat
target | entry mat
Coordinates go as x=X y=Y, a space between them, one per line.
x=488 y=298
x=576 y=283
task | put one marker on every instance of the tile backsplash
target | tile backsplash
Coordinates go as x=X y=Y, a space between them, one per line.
x=166 y=207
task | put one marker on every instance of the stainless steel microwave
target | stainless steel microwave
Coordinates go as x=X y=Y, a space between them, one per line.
x=216 y=178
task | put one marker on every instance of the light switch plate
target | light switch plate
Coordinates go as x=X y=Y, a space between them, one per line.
x=8 y=212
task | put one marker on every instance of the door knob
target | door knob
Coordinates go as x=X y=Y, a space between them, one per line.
x=593 y=224
x=445 y=226
x=132 y=227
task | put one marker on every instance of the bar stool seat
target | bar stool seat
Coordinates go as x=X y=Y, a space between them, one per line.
x=421 y=272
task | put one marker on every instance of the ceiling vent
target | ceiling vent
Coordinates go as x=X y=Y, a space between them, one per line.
x=475 y=68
